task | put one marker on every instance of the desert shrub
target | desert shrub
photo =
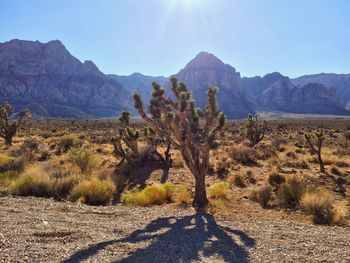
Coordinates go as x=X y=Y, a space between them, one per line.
x=297 y=164
x=238 y=180
x=61 y=187
x=156 y=195
x=46 y=134
x=93 y=191
x=341 y=163
x=182 y=196
x=320 y=204
x=244 y=155
x=265 y=151
x=250 y=177
x=300 y=151
x=291 y=154
x=31 y=183
x=177 y=193
x=218 y=206
x=8 y=163
x=68 y=141
x=5 y=180
x=219 y=190
x=335 y=170
x=83 y=158
x=275 y=179
x=262 y=195
x=292 y=190
x=222 y=167
x=347 y=179
x=299 y=145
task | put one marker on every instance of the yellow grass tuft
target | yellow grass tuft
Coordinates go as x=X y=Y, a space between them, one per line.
x=157 y=195
x=219 y=190
x=93 y=191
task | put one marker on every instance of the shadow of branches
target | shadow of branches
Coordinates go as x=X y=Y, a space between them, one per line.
x=179 y=239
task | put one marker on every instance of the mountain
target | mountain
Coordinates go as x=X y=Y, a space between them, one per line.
x=47 y=79
x=277 y=92
x=340 y=82
x=205 y=71
x=139 y=83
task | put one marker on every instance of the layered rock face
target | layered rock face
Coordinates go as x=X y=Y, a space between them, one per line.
x=47 y=79
x=277 y=92
x=205 y=71
x=340 y=82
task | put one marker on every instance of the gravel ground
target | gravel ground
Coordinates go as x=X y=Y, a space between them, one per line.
x=42 y=230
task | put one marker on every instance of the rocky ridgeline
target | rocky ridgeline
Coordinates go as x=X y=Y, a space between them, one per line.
x=48 y=80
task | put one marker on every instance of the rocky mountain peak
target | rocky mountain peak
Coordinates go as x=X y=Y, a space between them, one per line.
x=207 y=61
x=89 y=68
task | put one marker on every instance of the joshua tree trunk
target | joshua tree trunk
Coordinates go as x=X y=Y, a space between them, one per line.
x=322 y=170
x=8 y=140
x=200 y=200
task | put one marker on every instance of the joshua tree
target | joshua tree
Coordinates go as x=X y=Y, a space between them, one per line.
x=316 y=147
x=8 y=127
x=254 y=129
x=131 y=137
x=189 y=129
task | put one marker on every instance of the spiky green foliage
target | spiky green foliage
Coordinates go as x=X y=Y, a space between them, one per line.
x=188 y=128
x=127 y=143
x=315 y=142
x=8 y=127
x=254 y=129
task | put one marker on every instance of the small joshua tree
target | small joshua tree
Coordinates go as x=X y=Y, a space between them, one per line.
x=254 y=129
x=316 y=147
x=189 y=129
x=129 y=137
x=8 y=127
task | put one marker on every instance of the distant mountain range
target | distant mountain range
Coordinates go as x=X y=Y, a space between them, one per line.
x=47 y=79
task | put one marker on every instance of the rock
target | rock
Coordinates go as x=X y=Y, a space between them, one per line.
x=48 y=80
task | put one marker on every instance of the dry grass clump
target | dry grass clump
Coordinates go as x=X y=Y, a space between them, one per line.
x=292 y=190
x=5 y=180
x=238 y=180
x=93 y=191
x=321 y=205
x=335 y=170
x=33 y=182
x=157 y=195
x=68 y=141
x=302 y=164
x=218 y=194
x=347 y=179
x=291 y=154
x=266 y=151
x=83 y=158
x=8 y=163
x=61 y=187
x=244 y=155
x=275 y=179
x=262 y=195
x=222 y=167
x=219 y=190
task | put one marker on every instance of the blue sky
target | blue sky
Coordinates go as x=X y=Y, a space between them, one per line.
x=158 y=37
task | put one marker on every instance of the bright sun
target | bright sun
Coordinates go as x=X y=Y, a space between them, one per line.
x=187 y=4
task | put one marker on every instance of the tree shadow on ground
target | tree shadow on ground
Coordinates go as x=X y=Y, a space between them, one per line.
x=179 y=239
